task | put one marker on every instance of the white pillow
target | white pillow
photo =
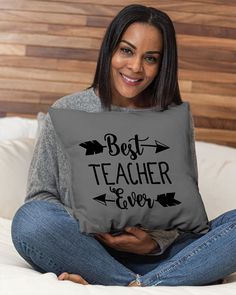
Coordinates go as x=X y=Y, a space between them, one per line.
x=217 y=171
x=15 y=157
x=16 y=127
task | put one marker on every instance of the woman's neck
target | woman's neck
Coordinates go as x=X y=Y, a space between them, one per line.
x=132 y=103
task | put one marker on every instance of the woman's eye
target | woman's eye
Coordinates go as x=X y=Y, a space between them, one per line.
x=126 y=50
x=151 y=59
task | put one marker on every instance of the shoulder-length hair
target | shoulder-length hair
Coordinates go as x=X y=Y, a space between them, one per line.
x=164 y=89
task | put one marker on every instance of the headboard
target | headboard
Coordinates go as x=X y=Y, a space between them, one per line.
x=49 y=49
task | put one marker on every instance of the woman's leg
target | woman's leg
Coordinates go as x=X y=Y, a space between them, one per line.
x=194 y=260
x=142 y=264
x=49 y=239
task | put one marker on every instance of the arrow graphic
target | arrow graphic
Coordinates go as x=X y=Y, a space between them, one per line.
x=167 y=200
x=92 y=147
x=102 y=199
x=159 y=146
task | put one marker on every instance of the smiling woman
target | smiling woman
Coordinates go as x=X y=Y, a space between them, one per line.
x=135 y=64
x=137 y=68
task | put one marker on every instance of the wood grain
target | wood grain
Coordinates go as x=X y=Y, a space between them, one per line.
x=62 y=53
x=49 y=49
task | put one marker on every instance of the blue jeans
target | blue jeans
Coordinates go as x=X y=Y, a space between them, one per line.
x=49 y=239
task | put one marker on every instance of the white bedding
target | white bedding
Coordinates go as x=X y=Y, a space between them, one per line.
x=217 y=167
x=18 y=278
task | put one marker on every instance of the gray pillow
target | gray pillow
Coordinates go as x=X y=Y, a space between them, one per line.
x=131 y=169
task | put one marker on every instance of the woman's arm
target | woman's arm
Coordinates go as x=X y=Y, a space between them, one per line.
x=163 y=239
x=42 y=176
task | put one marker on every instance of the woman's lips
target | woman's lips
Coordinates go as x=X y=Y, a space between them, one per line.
x=130 y=81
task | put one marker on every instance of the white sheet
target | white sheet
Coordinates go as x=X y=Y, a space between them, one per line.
x=18 y=278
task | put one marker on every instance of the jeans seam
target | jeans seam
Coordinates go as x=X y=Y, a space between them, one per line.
x=41 y=254
x=60 y=270
x=186 y=257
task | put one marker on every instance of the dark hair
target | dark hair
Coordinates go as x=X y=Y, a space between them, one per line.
x=164 y=89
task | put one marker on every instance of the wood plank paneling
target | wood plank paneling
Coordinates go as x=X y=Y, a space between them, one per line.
x=48 y=63
x=60 y=7
x=219 y=136
x=33 y=17
x=38 y=85
x=52 y=29
x=179 y=17
x=222 y=69
x=12 y=50
x=62 y=53
x=150 y=2
x=49 y=48
x=52 y=40
x=205 y=30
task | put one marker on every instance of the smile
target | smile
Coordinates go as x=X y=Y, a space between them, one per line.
x=131 y=81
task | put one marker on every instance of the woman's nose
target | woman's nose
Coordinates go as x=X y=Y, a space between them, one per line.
x=135 y=64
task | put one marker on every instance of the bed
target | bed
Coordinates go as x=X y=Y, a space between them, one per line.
x=216 y=165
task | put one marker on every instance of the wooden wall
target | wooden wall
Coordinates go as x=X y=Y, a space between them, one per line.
x=49 y=49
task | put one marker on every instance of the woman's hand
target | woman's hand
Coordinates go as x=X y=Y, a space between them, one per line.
x=135 y=241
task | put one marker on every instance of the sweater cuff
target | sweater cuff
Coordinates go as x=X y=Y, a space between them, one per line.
x=164 y=239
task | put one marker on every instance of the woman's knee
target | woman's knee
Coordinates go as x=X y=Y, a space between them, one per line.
x=230 y=216
x=226 y=217
x=37 y=219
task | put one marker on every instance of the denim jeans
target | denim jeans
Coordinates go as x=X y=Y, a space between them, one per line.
x=49 y=239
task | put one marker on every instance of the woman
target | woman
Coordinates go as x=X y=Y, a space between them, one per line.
x=136 y=70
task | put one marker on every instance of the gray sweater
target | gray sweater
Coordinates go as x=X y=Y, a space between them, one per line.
x=49 y=169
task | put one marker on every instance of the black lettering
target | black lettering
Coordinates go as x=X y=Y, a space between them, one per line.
x=95 y=172
x=133 y=195
x=130 y=176
x=151 y=172
x=140 y=173
x=164 y=172
x=118 y=192
x=121 y=173
x=105 y=173
x=113 y=148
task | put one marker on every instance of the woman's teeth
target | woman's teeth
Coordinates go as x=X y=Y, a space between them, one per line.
x=130 y=80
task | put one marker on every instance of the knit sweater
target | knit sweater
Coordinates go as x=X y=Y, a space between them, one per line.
x=49 y=171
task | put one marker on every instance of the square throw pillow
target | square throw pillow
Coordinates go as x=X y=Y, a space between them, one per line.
x=131 y=169
x=15 y=157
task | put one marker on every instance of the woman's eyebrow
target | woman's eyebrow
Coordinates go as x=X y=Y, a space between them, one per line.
x=134 y=47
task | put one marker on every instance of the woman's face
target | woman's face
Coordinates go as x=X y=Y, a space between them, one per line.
x=135 y=63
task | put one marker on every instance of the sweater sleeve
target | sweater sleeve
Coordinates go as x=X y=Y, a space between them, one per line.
x=164 y=239
x=42 y=176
